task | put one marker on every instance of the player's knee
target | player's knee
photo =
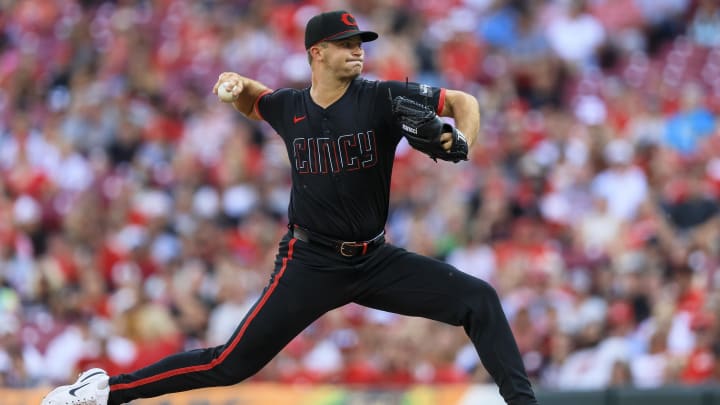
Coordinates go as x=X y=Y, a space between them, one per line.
x=491 y=296
x=483 y=299
x=226 y=377
x=485 y=292
x=228 y=371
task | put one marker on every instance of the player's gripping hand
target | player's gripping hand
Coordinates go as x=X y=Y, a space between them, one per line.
x=426 y=132
x=241 y=92
x=229 y=86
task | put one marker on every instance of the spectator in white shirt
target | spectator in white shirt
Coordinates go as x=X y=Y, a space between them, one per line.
x=622 y=184
x=577 y=35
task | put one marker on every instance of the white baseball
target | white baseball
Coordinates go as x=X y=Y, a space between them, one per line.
x=225 y=93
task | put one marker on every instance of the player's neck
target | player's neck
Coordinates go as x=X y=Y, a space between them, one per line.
x=327 y=91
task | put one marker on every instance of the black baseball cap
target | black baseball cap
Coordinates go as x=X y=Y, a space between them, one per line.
x=332 y=26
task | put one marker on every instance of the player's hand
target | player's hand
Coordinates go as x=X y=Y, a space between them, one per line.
x=446 y=140
x=233 y=82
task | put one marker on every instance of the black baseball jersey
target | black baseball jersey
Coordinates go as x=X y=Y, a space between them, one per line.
x=342 y=156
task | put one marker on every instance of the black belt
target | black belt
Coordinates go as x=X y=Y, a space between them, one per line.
x=344 y=248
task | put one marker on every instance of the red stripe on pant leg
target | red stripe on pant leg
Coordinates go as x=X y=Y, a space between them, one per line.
x=228 y=350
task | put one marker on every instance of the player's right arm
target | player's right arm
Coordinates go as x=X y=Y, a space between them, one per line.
x=246 y=91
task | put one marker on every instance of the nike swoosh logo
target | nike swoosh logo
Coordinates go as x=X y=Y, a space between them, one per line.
x=91 y=375
x=74 y=390
x=298 y=119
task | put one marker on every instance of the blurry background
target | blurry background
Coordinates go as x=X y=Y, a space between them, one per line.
x=139 y=216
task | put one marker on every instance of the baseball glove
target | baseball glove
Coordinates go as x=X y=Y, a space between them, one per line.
x=422 y=128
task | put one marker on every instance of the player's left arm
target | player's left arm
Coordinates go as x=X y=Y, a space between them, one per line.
x=465 y=110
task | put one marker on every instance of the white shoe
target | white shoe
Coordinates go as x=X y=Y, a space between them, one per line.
x=91 y=388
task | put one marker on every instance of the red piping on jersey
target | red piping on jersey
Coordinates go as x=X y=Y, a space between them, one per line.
x=257 y=101
x=441 y=102
x=228 y=349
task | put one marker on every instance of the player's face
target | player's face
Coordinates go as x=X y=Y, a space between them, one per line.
x=345 y=57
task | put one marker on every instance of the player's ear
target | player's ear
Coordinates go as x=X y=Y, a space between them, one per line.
x=316 y=51
x=312 y=54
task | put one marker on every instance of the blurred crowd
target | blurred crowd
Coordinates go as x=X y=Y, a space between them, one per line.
x=139 y=216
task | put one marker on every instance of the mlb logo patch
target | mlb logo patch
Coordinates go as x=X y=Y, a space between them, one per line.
x=425 y=90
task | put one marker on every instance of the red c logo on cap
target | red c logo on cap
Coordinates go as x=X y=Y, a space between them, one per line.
x=348 y=19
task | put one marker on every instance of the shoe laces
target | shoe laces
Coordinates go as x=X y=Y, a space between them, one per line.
x=84 y=401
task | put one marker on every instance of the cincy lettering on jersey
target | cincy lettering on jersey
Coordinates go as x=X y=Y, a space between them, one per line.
x=326 y=155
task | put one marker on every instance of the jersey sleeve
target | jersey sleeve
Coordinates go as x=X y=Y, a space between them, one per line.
x=270 y=106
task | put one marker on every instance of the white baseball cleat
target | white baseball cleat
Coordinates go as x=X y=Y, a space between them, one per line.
x=91 y=388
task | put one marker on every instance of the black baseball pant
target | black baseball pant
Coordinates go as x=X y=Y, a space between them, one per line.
x=309 y=281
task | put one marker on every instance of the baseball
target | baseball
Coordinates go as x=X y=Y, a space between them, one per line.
x=225 y=94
